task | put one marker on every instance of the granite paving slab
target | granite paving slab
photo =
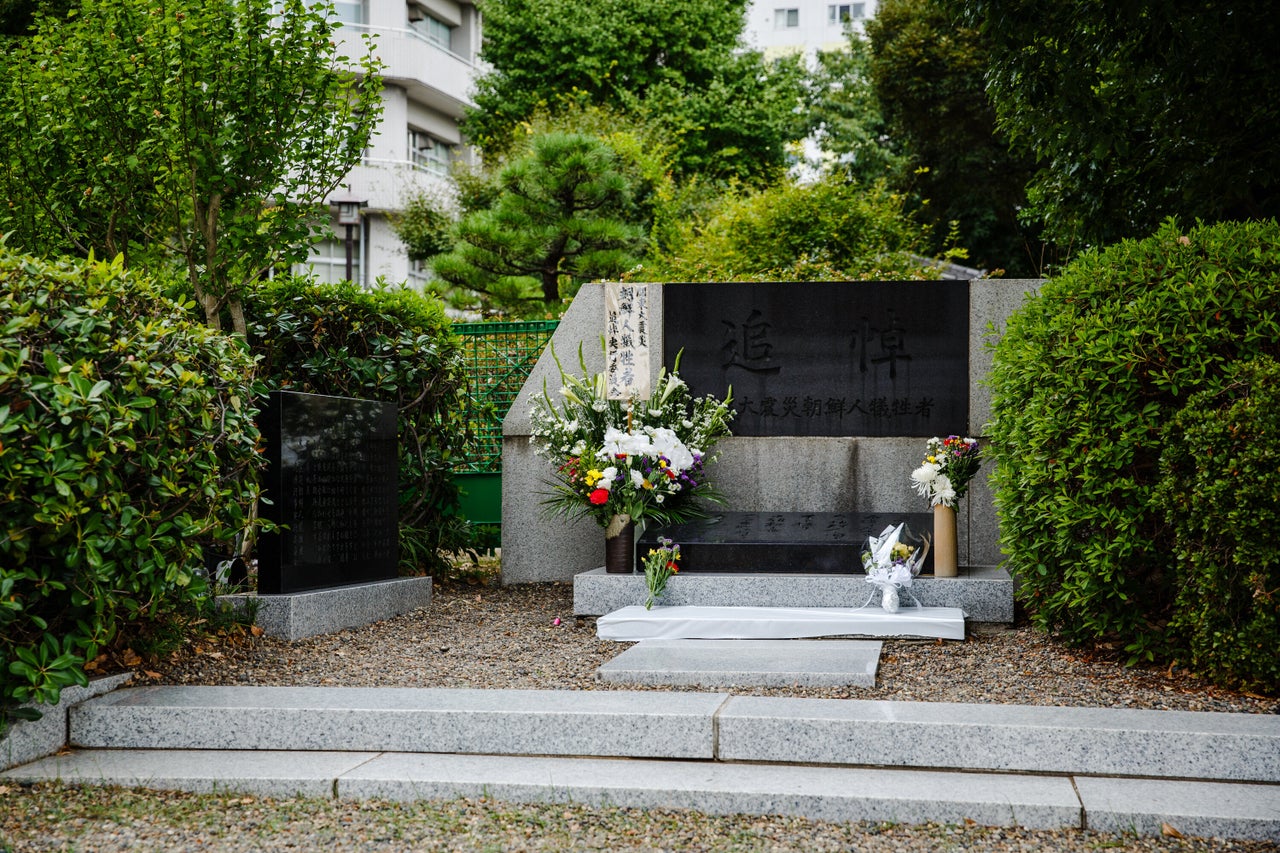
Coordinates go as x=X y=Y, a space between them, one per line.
x=537 y=722
x=1205 y=809
x=1045 y=739
x=265 y=773
x=746 y=663
x=984 y=593
x=822 y=793
x=763 y=623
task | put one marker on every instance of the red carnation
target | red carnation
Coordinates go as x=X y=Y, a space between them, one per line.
x=599 y=497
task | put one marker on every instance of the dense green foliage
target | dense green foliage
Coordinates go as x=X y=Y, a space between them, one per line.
x=928 y=77
x=392 y=345
x=1085 y=379
x=825 y=231
x=126 y=440
x=563 y=214
x=196 y=133
x=676 y=62
x=845 y=117
x=1221 y=493
x=1136 y=110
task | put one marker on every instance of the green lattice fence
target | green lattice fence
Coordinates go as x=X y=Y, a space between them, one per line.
x=498 y=358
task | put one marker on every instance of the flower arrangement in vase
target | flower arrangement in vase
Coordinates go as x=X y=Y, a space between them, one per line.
x=943 y=478
x=627 y=461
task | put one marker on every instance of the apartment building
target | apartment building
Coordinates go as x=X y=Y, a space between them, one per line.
x=428 y=49
x=784 y=26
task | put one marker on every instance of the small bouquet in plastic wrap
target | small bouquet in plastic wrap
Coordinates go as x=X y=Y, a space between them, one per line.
x=659 y=565
x=892 y=564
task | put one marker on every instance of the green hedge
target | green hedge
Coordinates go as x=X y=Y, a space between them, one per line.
x=389 y=344
x=1221 y=492
x=1085 y=379
x=126 y=437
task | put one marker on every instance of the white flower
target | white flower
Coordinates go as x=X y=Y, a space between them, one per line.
x=658 y=498
x=637 y=479
x=579 y=448
x=617 y=442
x=665 y=443
x=944 y=492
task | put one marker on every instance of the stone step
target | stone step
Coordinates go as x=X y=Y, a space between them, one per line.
x=746 y=663
x=641 y=724
x=778 y=623
x=984 y=593
x=823 y=793
x=687 y=725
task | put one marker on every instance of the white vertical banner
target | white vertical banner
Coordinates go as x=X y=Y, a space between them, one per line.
x=626 y=341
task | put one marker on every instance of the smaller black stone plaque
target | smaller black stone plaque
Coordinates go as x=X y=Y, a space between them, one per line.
x=332 y=481
x=801 y=543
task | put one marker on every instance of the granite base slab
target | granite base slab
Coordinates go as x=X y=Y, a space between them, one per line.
x=1014 y=738
x=1203 y=809
x=819 y=793
x=770 y=623
x=28 y=740
x=985 y=594
x=746 y=663
x=538 y=722
x=264 y=773
x=296 y=616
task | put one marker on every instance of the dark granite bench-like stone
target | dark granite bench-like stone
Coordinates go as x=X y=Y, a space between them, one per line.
x=811 y=543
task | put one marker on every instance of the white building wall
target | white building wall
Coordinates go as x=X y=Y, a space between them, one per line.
x=426 y=88
x=782 y=26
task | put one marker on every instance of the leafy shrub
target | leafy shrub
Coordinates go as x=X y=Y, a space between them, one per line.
x=392 y=345
x=833 y=230
x=1220 y=491
x=1084 y=380
x=126 y=438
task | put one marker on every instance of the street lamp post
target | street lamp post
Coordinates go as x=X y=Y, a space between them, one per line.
x=349 y=215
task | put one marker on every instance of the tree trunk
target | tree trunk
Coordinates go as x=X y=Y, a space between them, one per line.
x=238 y=325
x=551 y=286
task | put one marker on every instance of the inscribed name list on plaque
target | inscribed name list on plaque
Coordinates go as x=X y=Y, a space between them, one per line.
x=811 y=543
x=332 y=480
x=861 y=358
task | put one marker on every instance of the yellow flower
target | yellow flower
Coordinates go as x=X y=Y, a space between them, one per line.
x=931 y=459
x=592 y=476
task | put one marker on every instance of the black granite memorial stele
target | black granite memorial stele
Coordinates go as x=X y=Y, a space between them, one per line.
x=863 y=358
x=332 y=483
x=808 y=543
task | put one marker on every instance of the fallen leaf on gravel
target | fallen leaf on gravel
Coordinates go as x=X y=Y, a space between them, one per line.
x=131 y=658
x=1169 y=832
x=255 y=630
x=149 y=674
x=4 y=789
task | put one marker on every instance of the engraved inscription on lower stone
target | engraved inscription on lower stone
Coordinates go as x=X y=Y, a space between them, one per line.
x=782 y=542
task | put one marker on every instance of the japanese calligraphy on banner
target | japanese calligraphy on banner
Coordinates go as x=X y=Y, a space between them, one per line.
x=626 y=337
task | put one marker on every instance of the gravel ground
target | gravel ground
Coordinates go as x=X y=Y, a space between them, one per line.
x=527 y=637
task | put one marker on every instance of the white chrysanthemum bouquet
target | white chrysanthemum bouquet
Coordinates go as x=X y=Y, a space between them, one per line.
x=949 y=464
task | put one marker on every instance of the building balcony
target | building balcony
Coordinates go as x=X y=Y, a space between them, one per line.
x=387 y=184
x=432 y=75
